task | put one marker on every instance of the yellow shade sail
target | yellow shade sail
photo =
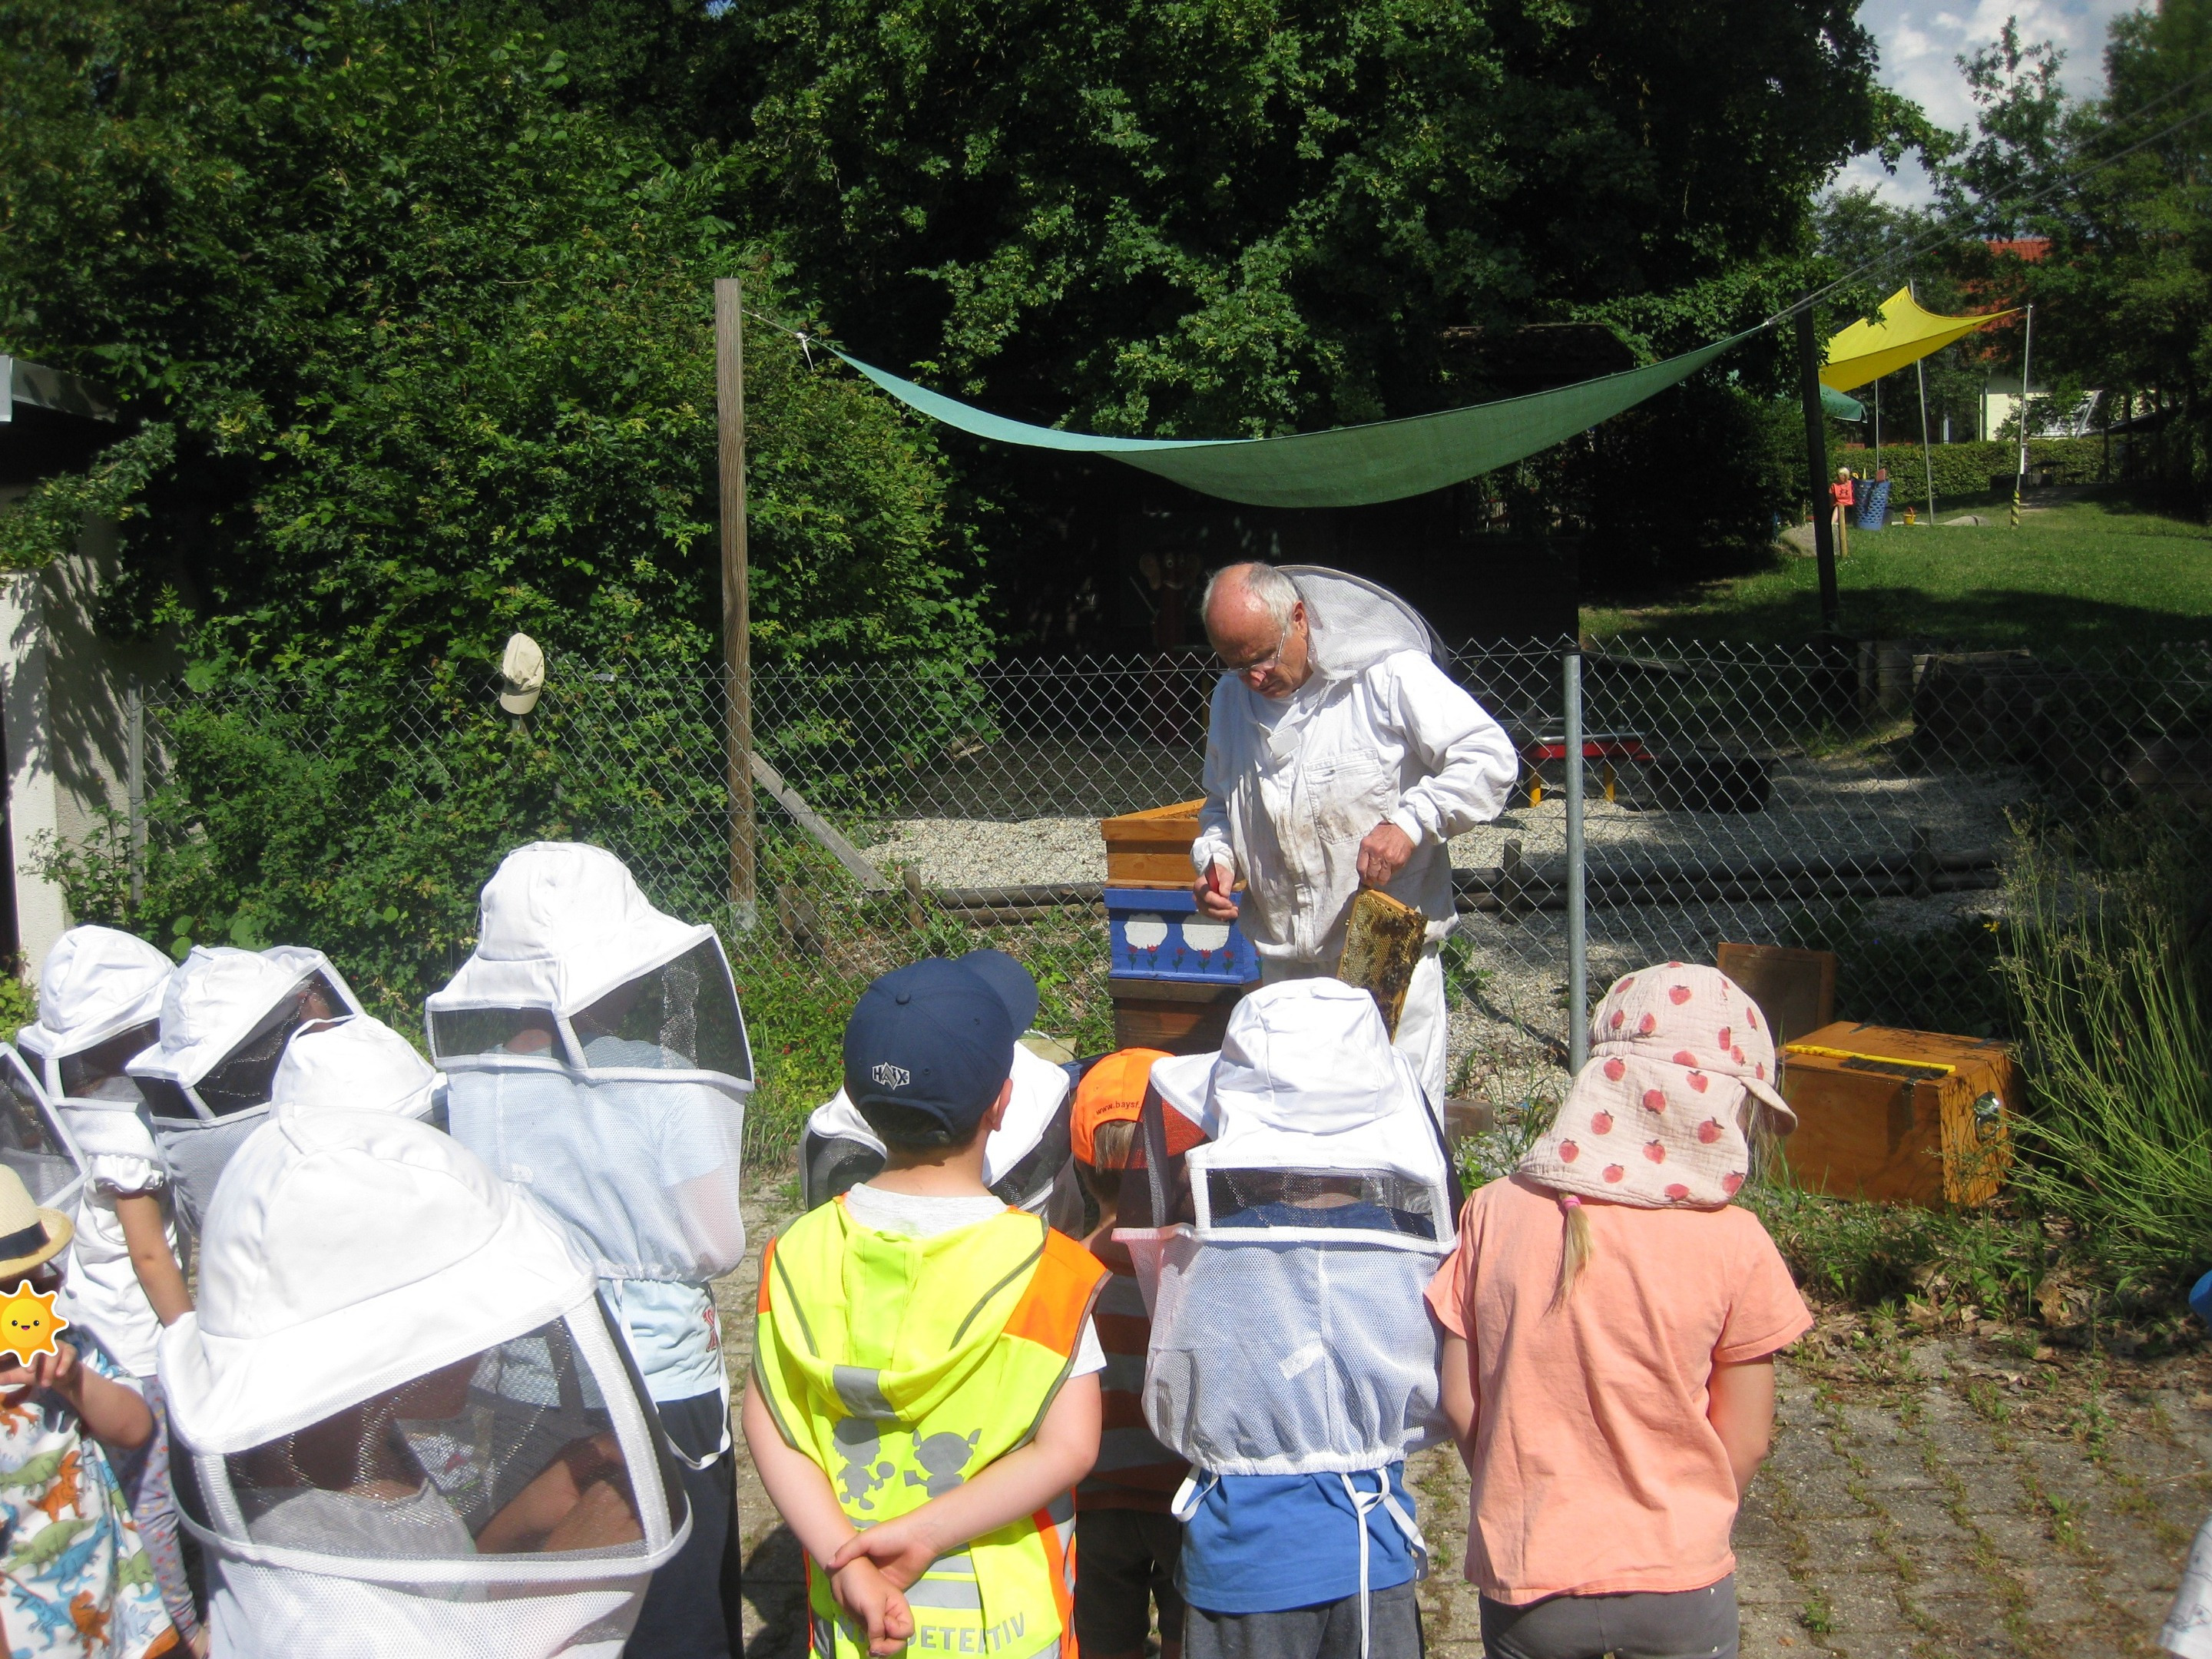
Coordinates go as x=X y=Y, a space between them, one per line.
x=1905 y=334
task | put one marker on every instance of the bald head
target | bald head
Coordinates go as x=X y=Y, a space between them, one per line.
x=1257 y=625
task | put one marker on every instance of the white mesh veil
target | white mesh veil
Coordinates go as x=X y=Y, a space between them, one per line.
x=35 y=1141
x=408 y=1426
x=599 y=1060
x=1284 y=1258
x=1355 y=623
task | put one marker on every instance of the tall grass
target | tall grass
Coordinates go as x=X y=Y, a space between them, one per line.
x=2111 y=998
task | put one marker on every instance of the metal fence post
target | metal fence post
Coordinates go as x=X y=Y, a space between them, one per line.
x=134 y=707
x=1577 y=932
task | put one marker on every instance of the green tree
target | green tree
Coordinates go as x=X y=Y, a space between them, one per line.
x=423 y=349
x=1196 y=217
x=1205 y=218
x=2122 y=292
x=436 y=348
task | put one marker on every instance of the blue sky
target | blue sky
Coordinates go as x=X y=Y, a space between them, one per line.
x=1921 y=44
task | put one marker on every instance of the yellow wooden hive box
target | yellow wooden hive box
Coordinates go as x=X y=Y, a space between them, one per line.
x=1905 y=1117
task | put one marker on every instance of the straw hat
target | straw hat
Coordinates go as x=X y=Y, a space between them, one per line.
x=29 y=1236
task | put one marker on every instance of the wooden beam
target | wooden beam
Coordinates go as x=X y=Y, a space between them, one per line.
x=820 y=828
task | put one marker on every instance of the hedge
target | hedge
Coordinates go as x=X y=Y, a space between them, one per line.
x=1966 y=469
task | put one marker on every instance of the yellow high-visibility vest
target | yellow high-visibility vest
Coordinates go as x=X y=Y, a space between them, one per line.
x=902 y=1365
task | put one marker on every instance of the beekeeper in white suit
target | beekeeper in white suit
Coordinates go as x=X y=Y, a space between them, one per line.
x=1338 y=757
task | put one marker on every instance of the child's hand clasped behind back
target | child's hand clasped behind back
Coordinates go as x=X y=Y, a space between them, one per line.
x=900 y=1550
x=875 y=1603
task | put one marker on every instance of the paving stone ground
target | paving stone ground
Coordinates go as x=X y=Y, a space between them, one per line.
x=1929 y=1495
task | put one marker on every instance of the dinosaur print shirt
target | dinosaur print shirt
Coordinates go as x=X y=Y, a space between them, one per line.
x=74 y=1580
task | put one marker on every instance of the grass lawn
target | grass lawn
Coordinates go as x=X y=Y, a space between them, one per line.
x=2090 y=572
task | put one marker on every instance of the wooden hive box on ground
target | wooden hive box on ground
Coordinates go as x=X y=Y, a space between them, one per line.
x=1904 y=1117
x=1152 y=849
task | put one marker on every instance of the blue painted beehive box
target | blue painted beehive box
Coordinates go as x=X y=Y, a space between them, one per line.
x=1157 y=933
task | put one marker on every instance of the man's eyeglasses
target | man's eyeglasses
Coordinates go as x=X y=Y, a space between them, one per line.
x=1257 y=665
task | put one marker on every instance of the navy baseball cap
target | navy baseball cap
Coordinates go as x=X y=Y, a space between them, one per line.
x=932 y=1041
x=1010 y=979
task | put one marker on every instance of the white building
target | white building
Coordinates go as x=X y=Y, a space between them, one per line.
x=66 y=692
x=2001 y=403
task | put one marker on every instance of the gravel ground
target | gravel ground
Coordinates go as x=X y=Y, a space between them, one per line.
x=1830 y=807
x=1507 y=1037
x=1929 y=1495
x=978 y=853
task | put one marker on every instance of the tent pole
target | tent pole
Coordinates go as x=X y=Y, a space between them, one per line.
x=1816 y=461
x=1927 y=454
x=2026 y=350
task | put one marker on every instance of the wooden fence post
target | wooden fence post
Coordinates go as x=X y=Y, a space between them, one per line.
x=736 y=615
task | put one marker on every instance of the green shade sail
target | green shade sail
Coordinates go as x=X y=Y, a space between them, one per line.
x=1843 y=407
x=1346 y=465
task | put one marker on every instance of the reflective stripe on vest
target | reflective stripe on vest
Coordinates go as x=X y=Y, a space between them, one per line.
x=901 y=1366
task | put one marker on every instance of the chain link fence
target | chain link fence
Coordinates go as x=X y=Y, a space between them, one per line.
x=1860 y=800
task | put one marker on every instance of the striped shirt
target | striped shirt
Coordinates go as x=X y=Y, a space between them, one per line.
x=1133 y=1471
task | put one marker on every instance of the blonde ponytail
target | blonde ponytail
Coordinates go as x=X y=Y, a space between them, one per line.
x=1575 y=1248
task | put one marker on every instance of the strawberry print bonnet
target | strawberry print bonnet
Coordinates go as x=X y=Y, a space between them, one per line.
x=1652 y=1120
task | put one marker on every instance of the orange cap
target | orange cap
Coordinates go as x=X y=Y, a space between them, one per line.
x=1112 y=1091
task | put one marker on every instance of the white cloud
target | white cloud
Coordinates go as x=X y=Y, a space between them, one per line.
x=1920 y=51
x=1909 y=44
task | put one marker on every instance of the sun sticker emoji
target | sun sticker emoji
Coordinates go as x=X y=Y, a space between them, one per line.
x=28 y=1323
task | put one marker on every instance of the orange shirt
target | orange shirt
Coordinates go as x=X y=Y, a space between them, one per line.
x=1595 y=1471
x=1843 y=494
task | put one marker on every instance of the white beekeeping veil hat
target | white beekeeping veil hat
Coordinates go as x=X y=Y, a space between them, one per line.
x=357 y=1063
x=597 y=1055
x=1315 y=1126
x=1355 y=623
x=560 y=924
x=1287 y=1255
x=411 y=1427
x=225 y=1016
x=35 y=1139
x=96 y=986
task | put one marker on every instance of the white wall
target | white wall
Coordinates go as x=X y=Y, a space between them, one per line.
x=63 y=692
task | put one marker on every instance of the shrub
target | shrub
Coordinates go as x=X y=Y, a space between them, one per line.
x=1966 y=469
